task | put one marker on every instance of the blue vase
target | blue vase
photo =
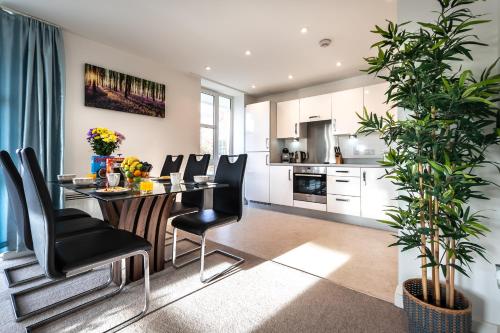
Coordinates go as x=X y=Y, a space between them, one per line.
x=97 y=162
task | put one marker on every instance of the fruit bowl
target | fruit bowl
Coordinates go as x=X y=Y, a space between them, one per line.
x=134 y=170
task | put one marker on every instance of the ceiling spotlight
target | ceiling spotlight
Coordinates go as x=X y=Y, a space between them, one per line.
x=304 y=30
x=290 y=76
x=248 y=52
x=338 y=64
x=208 y=68
x=253 y=86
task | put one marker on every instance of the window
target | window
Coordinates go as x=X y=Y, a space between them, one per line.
x=216 y=126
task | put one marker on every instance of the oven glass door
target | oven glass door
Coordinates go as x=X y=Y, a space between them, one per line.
x=309 y=187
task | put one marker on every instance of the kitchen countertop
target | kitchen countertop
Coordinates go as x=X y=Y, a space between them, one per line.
x=330 y=165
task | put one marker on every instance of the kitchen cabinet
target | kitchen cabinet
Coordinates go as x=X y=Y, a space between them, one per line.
x=287 y=119
x=316 y=108
x=376 y=194
x=257 y=128
x=281 y=185
x=341 y=204
x=374 y=99
x=345 y=105
x=257 y=177
x=343 y=185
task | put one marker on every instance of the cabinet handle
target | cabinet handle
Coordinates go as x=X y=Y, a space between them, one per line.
x=267 y=143
x=267 y=159
x=341 y=171
x=311 y=117
x=334 y=124
x=364 y=177
x=341 y=181
x=345 y=200
x=289 y=174
x=295 y=128
x=308 y=175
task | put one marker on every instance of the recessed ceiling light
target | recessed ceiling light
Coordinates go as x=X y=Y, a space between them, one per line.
x=253 y=86
x=208 y=68
x=290 y=76
x=304 y=30
x=338 y=64
x=248 y=52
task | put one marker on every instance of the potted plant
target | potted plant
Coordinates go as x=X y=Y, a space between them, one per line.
x=103 y=143
x=448 y=122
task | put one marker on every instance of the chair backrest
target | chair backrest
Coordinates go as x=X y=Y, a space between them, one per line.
x=17 y=200
x=195 y=168
x=170 y=165
x=229 y=200
x=41 y=213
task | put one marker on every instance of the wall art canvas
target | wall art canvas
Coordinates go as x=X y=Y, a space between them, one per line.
x=108 y=89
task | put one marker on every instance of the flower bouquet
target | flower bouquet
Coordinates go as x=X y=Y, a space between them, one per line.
x=104 y=141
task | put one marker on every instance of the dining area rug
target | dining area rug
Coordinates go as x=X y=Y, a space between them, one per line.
x=259 y=296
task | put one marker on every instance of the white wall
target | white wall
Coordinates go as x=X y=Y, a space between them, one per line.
x=148 y=138
x=482 y=287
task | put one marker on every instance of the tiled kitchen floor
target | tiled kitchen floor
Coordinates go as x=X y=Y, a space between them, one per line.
x=352 y=256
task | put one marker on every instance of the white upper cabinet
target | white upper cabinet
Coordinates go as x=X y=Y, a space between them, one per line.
x=316 y=108
x=257 y=119
x=374 y=99
x=287 y=119
x=345 y=105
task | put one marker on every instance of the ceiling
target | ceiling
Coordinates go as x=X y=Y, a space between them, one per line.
x=191 y=34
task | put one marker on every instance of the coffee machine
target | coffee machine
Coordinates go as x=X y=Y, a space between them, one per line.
x=285 y=155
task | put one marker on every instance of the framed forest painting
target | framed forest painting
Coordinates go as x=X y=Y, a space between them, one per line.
x=108 y=89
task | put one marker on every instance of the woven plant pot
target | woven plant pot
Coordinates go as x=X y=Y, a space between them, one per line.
x=428 y=318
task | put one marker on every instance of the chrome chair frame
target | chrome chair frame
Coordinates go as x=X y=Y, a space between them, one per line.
x=89 y=268
x=202 y=257
x=11 y=283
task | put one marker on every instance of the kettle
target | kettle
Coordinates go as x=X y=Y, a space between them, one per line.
x=300 y=156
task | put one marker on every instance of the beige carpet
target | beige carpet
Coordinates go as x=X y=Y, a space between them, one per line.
x=261 y=297
x=352 y=256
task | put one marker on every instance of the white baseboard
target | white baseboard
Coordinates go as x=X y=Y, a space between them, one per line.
x=477 y=326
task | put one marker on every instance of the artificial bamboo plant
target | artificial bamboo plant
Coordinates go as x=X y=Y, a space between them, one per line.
x=450 y=119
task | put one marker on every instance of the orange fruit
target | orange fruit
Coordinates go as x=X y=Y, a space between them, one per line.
x=137 y=173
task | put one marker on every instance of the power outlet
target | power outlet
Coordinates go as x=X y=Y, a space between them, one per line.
x=498 y=275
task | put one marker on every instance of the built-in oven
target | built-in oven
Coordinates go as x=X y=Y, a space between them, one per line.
x=309 y=184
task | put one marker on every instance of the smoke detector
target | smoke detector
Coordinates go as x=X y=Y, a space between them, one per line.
x=325 y=42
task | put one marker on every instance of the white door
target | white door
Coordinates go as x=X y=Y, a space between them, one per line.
x=376 y=194
x=257 y=126
x=281 y=185
x=287 y=119
x=316 y=108
x=375 y=98
x=257 y=177
x=345 y=105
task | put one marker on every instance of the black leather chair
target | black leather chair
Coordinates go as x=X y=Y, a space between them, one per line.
x=170 y=165
x=65 y=257
x=227 y=208
x=193 y=201
x=68 y=220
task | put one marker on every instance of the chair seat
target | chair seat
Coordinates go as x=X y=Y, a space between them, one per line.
x=69 y=213
x=83 y=249
x=198 y=223
x=66 y=228
x=180 y=208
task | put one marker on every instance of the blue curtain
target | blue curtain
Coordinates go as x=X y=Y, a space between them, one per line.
x=31 y=101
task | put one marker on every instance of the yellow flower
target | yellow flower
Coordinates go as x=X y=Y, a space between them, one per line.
x=94 y=131
x=97 y=137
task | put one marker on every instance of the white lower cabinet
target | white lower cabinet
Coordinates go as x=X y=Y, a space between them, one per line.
x=281 y=185
x=343 y=185
x=257 y=177
x=376 y=193
x=343 y=204
x=309 y=205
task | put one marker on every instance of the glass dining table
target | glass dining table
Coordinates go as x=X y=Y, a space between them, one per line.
x=144 y=214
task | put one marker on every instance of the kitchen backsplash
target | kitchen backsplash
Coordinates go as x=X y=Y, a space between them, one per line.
x=320 y=143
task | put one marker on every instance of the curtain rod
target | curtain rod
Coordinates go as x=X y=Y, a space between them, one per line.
x=12 y=12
